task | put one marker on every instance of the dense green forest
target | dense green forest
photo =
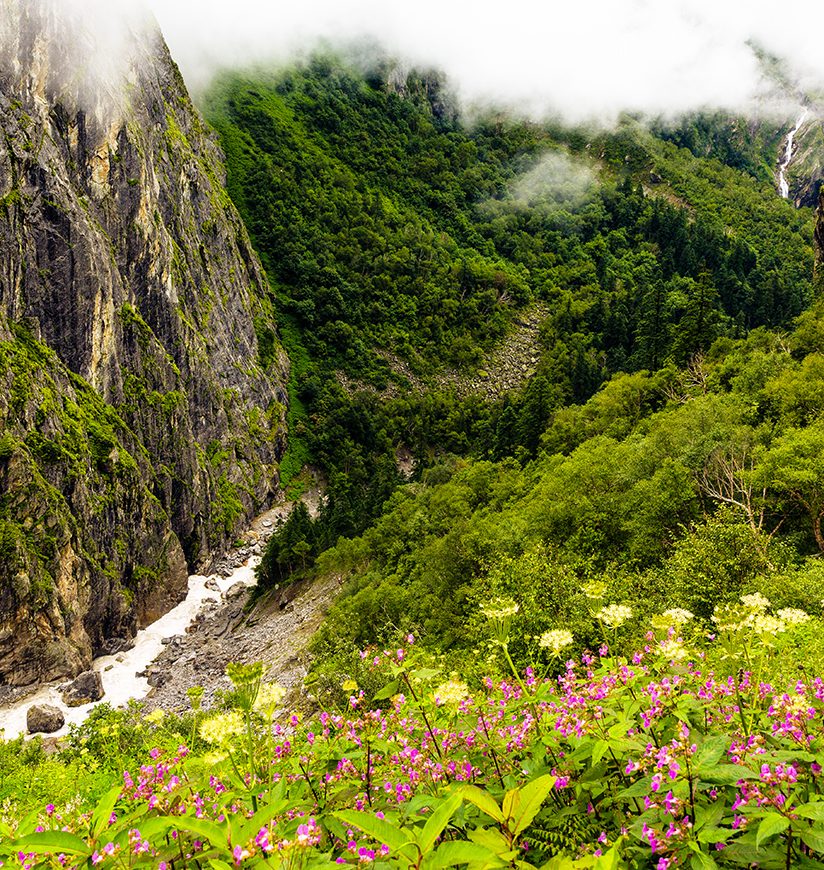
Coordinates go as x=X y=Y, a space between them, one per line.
x=402 y=243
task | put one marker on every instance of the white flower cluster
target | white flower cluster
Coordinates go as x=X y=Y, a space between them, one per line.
x=793 y=616
x=614 y=615
x=753 y=616
x=452 y=692
x=555 y=639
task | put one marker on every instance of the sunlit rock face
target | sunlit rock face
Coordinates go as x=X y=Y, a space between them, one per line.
x=140 y=423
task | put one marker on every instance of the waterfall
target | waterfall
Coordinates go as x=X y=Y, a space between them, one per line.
x=783 y=184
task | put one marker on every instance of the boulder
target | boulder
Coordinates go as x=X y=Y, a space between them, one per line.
x=84 y=689
x=44 y=719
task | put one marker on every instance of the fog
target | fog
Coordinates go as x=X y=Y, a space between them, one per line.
x=582 y=59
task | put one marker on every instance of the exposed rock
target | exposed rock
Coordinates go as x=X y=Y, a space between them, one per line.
x=141 y=421
x=87 y=687
x=44 y=719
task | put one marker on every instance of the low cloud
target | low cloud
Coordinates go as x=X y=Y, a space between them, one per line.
x=585 y=60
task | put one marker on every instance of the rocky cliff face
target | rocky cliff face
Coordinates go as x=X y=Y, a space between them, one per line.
x=142 y=399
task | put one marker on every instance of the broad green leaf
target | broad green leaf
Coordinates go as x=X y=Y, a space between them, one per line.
x=608 y=861
x=711 y=751
x=709 y=815
x=814 y=811
x=380 y=831
x=452 y=854
x=510 y=803
x=599 y=750
x=262 y=817
x=493 y=840
x=387 y=691
x=533 y=795
x=727 y=774
x=220 y=865
x=814 y=838
x=711 y=834
x=437 y=821
x=103 y=811
x=702 y=861
x=43 y=842
x=484 y=801
x=217 y=835
x=771 y=824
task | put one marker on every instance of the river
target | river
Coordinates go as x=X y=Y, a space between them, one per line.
x=119 y=672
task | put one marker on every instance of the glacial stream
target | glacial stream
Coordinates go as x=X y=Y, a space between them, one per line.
x=783 y=184
x=118 y=672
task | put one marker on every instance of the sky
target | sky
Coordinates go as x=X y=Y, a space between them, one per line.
x=583 y=58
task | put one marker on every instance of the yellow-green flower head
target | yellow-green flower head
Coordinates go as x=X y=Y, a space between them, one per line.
x=195 y=695
x=792 y=616
x=155 y=717
x=219 y=730
x=268 y=699
x=499 y=611
x=673 y=618
x=499 y=608
x=728 y=617
x=614 y=615
x=555 y=639
x=452 y=692
x=672 y=650
x=246 y=679
x=755 y=601
x=595 y=590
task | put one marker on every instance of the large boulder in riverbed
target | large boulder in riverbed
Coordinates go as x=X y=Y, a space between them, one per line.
x=44 y=719
x=84 y=689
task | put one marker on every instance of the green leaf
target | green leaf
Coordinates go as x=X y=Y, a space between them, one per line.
x=711 y=751
x=387 y=691
x=510 y=804
x=217 y=835
x=599 y=750
x=814 y=811
x=814 y=838
x=533 y=795
x=493 y=840
x=437 y=821
x=380 y=831
x=262 y=817
x=484 y=801
x=43 y=842
x=702 y=861
x=727 y=774
x=771 y=824
x=220 y=865
x=103 y=811
x=458 y=852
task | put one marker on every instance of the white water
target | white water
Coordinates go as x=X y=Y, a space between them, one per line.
x=783 y=184
x=120 y=682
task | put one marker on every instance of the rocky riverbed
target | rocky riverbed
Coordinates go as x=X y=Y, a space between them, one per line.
x=192 y=644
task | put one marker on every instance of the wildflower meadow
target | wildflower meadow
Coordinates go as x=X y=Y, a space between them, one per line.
x=657 y=759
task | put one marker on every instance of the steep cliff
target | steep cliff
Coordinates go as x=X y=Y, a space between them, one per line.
x=142 y=402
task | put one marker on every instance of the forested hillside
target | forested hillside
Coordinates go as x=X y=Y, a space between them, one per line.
x=403 y=241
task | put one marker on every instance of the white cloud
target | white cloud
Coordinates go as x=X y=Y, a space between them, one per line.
x=584 y=58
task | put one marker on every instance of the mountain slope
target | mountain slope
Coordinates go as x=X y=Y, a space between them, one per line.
x=143 y=419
